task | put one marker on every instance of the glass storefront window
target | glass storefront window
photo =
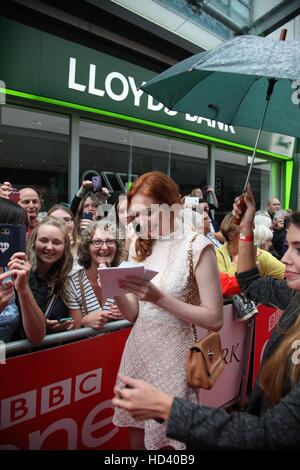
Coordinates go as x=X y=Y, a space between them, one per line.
x=120 y=155
x=149 y=153
x=189 y=165
x=34 y=151
x=231 y=172
x=192 y=12
x=34 y=148
x=238 y=10
x=104 y=150
x=210 y=15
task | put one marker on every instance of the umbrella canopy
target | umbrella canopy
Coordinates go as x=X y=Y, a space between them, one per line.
x=229 y=84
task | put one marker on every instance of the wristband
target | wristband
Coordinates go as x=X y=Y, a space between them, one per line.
x=246 y=238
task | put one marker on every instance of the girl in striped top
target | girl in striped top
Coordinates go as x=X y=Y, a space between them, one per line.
x=86 y=302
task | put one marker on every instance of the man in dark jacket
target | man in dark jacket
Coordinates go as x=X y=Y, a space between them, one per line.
x=274 y=205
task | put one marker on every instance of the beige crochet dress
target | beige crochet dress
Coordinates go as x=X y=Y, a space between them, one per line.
x=157 y=347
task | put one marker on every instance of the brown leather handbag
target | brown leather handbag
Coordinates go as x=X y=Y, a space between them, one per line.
x=205 y=360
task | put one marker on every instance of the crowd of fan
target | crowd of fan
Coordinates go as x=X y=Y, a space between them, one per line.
x=54 y=287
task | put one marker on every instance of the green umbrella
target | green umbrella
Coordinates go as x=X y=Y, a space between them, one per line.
x=248 y=81
x=229 y=83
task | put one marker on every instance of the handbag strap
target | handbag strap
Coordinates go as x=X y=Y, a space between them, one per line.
x=191 y=271
x=191 y=283
x=85 y=309
x=50 y=305
x=191 y=280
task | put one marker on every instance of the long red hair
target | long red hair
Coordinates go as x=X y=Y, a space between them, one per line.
x=163 y=190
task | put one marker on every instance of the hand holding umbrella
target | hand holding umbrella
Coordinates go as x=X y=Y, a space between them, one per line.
x=234 y=82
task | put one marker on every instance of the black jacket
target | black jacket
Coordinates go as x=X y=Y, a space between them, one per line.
x=261 y=427
x=39 y=289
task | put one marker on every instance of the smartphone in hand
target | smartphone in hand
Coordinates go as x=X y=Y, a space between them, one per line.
x=12 y=240
x=14 y=196
x=204 y=191
x=97 y=185
x=88 y=215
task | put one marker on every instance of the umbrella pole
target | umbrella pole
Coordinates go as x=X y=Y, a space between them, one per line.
x=272 y=82
x=241 y=204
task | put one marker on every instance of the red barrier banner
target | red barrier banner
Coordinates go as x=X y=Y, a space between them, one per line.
x=60 y=398
x=233 y=337
x=265 y=322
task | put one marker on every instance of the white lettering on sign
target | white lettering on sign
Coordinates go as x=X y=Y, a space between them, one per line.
x=72 y=431
x=56 y=395
x=92 y=80
x=169 y=112
x=88 y=384
x=127 y=87
x=191 y=118
x=22 y=407
x=137 y=93
x=19 y=408
x=37 y=438
x=152 y=106
x=210 y=123
x=108 y=86
x=72 y=71
x=274 y=319
x=90 y=426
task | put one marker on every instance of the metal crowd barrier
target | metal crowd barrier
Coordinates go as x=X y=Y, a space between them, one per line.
x=58 y=339
x=55 y=394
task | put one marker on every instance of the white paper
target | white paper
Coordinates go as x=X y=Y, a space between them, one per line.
x=110 y=277
x=148 y=273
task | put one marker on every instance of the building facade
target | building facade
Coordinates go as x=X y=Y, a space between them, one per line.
x=71 y=107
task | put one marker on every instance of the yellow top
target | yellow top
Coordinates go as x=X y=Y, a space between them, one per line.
x=268 y=265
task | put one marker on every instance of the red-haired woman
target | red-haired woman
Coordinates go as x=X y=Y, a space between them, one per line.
x=165 y=309
x=272 y=419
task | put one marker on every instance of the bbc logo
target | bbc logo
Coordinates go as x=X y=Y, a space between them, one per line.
x=25 y=406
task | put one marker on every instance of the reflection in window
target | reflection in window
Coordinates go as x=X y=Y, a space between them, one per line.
x=201 y=13
x=34 y=151
x=231 y=172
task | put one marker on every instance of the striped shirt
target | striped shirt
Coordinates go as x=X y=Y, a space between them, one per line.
x=75 y=301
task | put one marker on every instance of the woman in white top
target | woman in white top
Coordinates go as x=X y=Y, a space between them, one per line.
x=157 y=347
x=86 y=301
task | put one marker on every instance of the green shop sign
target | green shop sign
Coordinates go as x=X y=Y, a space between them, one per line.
x=40 y=64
